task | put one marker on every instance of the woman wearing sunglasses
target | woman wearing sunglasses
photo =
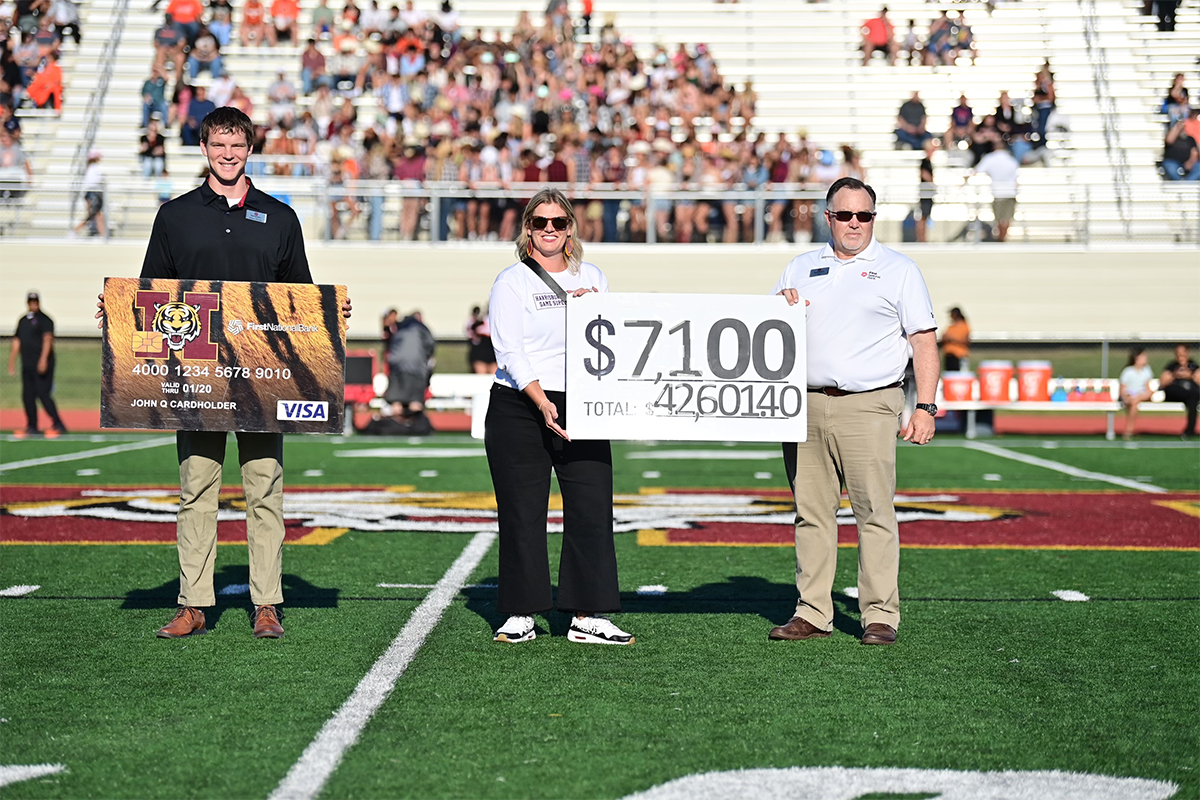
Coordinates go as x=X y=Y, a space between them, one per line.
x=526 y=437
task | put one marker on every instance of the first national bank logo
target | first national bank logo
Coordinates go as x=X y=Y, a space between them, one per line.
x=168 y=325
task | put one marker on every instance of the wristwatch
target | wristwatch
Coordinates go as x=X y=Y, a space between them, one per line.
x=928 y=408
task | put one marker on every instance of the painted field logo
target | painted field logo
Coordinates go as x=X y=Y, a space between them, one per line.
x=183 y=327
x=688 y=518
x=301 y=411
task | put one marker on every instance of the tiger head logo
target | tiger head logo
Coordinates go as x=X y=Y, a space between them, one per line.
x=179 y=323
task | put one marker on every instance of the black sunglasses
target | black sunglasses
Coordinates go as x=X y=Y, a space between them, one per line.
x=539 y=223
x=846 y=216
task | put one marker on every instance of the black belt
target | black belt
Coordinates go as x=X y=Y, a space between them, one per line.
x=834 y=391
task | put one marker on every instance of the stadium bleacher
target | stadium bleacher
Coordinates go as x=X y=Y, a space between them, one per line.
x=1099 y=180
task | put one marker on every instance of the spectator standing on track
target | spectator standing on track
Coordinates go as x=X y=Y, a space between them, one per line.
x=34 y=343
x=956 y=342
x=526 y=438
x=927 y=191
x=1135 y=387
x=481 y=355
x=1002 y=168
x=1178 y=383
x=410 y=348
x=191 y=241
x=861 y=333
x=878 y=35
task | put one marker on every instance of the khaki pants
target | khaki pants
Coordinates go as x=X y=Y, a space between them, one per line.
x=201 y=454
x=851 y=441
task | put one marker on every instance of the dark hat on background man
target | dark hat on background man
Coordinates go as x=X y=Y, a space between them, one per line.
x=31 y=297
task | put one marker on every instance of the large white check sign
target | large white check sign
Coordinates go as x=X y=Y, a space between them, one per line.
x=686 y=367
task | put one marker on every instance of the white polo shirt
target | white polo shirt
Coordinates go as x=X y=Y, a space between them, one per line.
x=529 y=324
x=860 y=314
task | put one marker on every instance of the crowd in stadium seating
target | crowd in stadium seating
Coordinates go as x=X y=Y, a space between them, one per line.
x=29 y=71
x=947 y=38
x=452 y=106
x=1022 y=127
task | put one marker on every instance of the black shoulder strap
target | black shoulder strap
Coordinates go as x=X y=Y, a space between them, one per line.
x=540 y=271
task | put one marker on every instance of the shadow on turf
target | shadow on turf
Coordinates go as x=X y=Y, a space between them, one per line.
x=740 y=594
x=297 y=592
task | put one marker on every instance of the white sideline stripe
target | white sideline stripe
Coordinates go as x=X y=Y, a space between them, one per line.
x=19 y=591
x=431 y=586
x=103 y=451
x=15 y=773
x=1066 y=469
x=1070 y=595
x=309 y=774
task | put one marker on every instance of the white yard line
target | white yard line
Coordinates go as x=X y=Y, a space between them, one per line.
x=1066 y=469
x=317 y=763
x=19 y=591
x=103 y=451
x=1070 y=595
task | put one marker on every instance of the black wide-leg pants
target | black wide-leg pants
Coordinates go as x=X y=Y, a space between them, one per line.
x=521 y=452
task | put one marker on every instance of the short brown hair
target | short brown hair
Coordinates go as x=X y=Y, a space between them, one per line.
x=226 y=120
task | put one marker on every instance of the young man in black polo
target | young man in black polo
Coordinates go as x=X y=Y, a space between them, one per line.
x=34 y=341
x=228 y=230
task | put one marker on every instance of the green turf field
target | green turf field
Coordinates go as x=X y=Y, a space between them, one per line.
x=993 y=671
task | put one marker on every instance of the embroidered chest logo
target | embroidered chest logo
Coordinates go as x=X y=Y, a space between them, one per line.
x=547 y=300
x=871 y=275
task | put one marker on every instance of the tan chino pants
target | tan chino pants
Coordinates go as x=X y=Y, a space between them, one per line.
x=201 y=454
x=851 y=441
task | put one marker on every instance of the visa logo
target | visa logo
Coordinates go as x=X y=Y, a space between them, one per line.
x=297 y=410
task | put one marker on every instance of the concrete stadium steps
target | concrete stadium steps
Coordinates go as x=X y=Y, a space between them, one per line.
x=805 y=65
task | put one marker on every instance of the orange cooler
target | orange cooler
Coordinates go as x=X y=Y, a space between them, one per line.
x=1033 y=380
x=994 y=377
x=956 y=386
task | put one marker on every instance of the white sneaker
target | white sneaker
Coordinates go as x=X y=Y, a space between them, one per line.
x=597 y=630
x=516 y=629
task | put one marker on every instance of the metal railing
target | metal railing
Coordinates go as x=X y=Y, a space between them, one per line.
x=1157 y=212
x=95 y=106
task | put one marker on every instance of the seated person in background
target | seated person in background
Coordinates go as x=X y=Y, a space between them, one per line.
x=284 y=14
x=1178 y=383
x=220 y=21
x=1135 y=387
x=939 y=45
x=152 y=151
x=254 y=28
x=877 y=35
x=168 y=47
x=154 y=97
x=1177 y=99
x=1181 y=160
x=910 y=123
x=963 y=40
x=1011 y=127
x=912 y=44
x=962 y=124
x=312 y=67
x=984 y=138
x=322 y=20
x=46 y=88
x=185 y=15
x=198 y=108
x=206 y=54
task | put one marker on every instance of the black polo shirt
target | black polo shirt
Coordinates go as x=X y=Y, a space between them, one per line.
x=197 y=236
x=31 y=329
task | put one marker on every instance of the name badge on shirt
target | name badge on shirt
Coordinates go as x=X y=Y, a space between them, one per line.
x=255 y=216
x=812 y=273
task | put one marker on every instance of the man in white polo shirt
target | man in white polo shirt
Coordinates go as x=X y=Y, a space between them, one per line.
x=868 y=310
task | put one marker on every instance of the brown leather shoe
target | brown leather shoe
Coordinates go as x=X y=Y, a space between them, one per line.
x=187 y=621
x=266 y=623
x=879 y=633
x=796 y=629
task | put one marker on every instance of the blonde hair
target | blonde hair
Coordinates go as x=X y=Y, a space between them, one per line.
x=573 y=249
